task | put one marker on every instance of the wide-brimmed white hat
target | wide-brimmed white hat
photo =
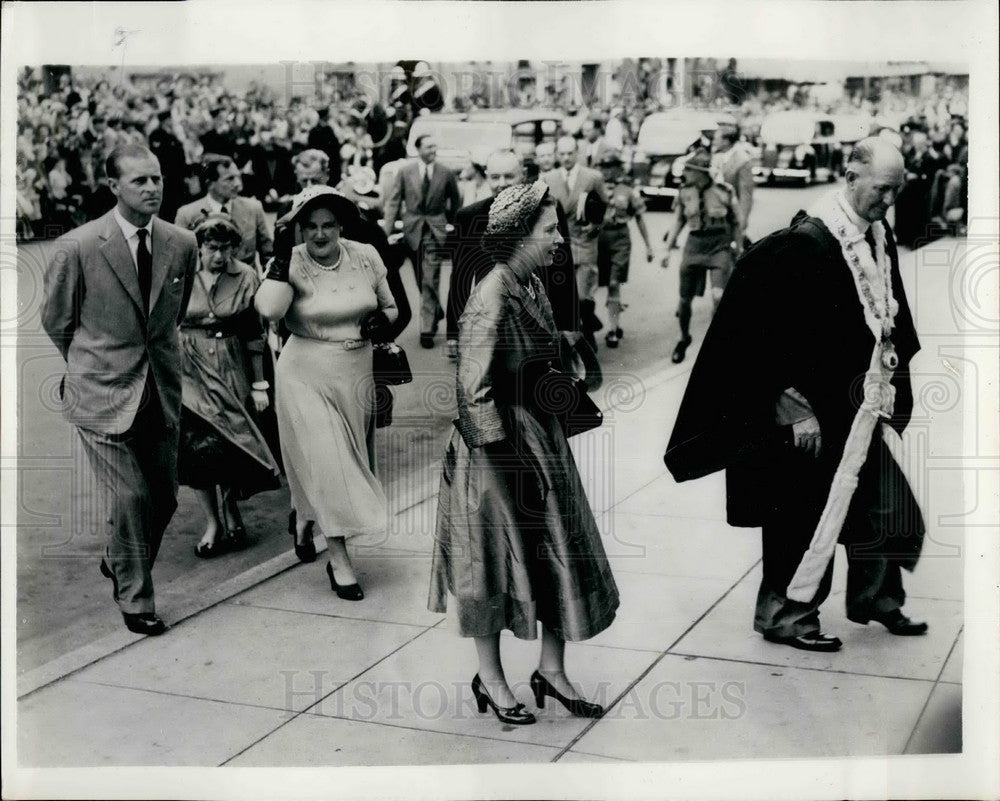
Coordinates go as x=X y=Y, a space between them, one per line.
x=341 y=205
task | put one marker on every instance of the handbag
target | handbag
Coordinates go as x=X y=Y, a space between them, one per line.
x=566 y=397
x=390 y=365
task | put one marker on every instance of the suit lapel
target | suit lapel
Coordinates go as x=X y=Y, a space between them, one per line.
x=163 y=246
x=237 y=210
x=437 y=182
x=413 y=178
x=119 y=257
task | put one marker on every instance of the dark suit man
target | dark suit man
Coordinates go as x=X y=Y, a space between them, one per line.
x=115 y=293
x=571 y=183
x=593 y=147
x=221 y=176
x=803 y=376
x=427 y=195
x=271 y=168
x=173 y=164
x=470 y=263
x=322 y=137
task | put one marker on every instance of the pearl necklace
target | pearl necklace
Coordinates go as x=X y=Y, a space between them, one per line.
x=335 y=265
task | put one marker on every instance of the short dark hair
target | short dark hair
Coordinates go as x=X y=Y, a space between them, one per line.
x=112 y=164
x=420 y=139
x=211 y=163
x=218 y=232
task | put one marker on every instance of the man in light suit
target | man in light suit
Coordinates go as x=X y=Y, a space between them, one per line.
x=115 y=293
x=431 y=197
x=221 y=177
x=571 y=185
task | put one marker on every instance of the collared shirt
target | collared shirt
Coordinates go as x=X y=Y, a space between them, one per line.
x=132 y=238
x=215 y=207
x=570 y=176
x=426 y=171
x=862 y=224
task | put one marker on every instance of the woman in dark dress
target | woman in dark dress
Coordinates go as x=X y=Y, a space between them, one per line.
x=221 y=446
x=516 y=541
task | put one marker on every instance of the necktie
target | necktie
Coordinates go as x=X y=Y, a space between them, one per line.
x=426 y=188
x=870 y=239
x=224 y=209
x=144 y=260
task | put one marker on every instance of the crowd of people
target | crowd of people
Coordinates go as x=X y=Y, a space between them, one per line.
x=218 y=352
x=64 y=136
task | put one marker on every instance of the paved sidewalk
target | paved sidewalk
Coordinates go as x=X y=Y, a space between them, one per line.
x=280 y=672
x=287 y=674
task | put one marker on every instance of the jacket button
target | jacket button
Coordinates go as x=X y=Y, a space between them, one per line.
x=211 y=351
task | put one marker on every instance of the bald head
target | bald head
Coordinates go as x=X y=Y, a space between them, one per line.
x=503 y=169
x=545 y=156
x=874 y=177
x=566 y=152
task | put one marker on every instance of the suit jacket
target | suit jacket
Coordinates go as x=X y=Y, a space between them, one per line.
x=442 y=202
x=789 y=317
x=247 y=214
x=583 y=236
x=92 y=311
x=736 y=168
x=470 y=264
x=591 y=156
x=271 y=169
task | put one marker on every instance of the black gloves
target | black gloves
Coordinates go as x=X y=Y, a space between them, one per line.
x=284 y=241
x=375 y=326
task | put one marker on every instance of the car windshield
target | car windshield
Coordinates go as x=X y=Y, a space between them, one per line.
x=458 y=135
x=658 y=135
x=787 y=130
x=852 y=128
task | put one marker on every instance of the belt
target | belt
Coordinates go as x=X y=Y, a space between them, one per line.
x=218 y=331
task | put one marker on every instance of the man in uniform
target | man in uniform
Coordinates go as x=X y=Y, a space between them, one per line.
x=614 y=244
x=734 y=165
x=710 y=212
x=799 y=389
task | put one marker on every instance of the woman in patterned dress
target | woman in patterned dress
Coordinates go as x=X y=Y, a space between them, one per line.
x=221 y=447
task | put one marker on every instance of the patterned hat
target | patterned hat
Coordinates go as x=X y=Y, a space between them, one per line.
x=513 y=206
x=341 y=205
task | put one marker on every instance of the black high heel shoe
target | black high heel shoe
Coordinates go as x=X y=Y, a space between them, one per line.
x=517 y=715
x=307 y=550
x=541 y=687
x=349 y=592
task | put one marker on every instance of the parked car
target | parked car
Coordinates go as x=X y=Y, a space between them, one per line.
x=475 y=135
x=529 y=128
x=798 y=146
x=850 y=129
x=665 y=138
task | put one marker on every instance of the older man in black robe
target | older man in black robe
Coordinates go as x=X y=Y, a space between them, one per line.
x=814 y=318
